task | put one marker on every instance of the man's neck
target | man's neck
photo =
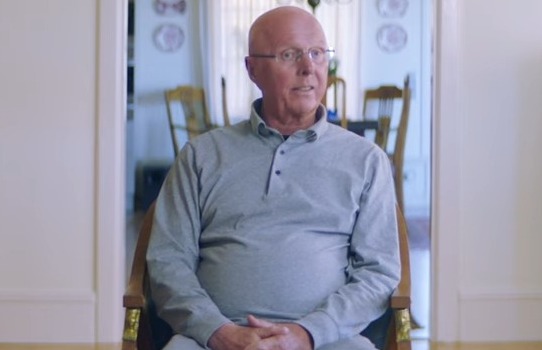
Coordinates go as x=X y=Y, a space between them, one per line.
x=287 y=125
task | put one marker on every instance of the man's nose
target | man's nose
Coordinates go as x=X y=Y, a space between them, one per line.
x=305 y=63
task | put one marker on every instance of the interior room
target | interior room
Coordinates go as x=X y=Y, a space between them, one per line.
x=82 y=118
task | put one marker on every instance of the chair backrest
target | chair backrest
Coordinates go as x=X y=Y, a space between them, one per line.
x=337 y=87
x=143 y=329
x=385 y=98
x=398 y=155
x=379 y=104
x=188 y=113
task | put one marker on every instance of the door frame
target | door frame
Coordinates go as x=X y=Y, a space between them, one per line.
x=445 y=171
x=110 y=169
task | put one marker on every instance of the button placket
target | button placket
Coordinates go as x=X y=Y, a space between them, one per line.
x=276 y=184
x=279 y=160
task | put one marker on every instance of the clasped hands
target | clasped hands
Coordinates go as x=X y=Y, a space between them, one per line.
x=261 y=335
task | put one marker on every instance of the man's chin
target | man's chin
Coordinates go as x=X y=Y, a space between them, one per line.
x=307 y=107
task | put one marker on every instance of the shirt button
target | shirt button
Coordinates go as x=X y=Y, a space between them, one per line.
x=277 y=172
x=282 y=152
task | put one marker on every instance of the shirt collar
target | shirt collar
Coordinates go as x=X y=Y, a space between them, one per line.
x=315 y=131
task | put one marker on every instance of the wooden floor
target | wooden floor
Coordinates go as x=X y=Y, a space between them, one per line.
x=424 y=345
x=417 y=345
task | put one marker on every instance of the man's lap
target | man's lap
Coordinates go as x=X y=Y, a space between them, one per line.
x=179 y=342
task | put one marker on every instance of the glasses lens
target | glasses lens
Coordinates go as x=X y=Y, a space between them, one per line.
x=290 y=55
x=316 y=54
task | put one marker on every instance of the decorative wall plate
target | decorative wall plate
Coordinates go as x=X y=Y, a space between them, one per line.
x=392 y=8
x=169 y=7
x=391 y=38
x=168 y=37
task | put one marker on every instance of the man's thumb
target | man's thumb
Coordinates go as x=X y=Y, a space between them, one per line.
x=266 y=328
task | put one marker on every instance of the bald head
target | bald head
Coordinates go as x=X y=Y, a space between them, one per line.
x=276 y=26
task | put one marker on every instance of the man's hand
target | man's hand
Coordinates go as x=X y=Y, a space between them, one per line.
x=297 y=338
x=234 y=337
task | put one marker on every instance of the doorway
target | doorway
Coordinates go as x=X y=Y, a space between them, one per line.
x=417 y=176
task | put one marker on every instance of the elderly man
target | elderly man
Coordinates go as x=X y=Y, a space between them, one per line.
x=278 y=232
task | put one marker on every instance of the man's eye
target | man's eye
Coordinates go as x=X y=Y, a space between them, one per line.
x=288 y=55
x=315 y=53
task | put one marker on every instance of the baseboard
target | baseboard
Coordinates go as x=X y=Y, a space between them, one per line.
x=500 y=317
x=47 y=316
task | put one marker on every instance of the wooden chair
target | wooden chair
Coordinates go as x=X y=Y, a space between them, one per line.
x=337 y=85
x=144 y=330
x=386 y=97
x=189 y=101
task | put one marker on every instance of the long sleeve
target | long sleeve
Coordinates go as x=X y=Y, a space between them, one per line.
x=173 y=255
x=298 y=230
x=374 y=267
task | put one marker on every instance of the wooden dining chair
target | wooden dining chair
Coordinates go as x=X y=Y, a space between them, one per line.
x=144 y=330
x=385 y=98
x=336 y=86
x=188 y=113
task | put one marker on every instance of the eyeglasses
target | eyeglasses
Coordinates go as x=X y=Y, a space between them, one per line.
x=317 y=55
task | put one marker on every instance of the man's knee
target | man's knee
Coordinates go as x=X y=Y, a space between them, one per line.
x=354 y=343
x=179 y=342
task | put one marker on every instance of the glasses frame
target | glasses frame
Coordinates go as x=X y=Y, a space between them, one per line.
x=328 y=55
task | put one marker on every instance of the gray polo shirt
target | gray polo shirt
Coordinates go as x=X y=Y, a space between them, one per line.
x=297 y=230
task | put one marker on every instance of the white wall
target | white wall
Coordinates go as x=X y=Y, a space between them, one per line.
x=47 y=173
x=501 y=119
x=487 y=208
x=51 y=225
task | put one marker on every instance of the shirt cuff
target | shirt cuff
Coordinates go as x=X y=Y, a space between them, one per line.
x=205 y=328
x=321 y=327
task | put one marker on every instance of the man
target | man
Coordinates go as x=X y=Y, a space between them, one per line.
x=279 y=232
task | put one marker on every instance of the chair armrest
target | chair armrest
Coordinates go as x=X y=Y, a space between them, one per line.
x=401 y=296
x=400 y=299
x=134 y=298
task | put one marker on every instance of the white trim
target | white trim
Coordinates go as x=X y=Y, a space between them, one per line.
x=501 y=317
x=110 y=212
x=500 y=295
x=45 y=295
x=446 y=164
x=47 y=316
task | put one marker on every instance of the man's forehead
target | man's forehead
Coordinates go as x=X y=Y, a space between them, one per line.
x=294 y=35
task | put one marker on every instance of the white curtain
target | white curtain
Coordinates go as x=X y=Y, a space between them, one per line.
x=210 y=45
x=224 y=26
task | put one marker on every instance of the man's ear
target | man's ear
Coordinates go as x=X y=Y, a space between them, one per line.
x=250 y=69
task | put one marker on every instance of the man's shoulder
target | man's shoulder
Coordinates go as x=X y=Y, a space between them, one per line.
x=222 y=136
x=340 y=134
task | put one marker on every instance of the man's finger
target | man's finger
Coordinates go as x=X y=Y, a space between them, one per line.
x=258 y=323
x=265 y=344
x=265 y=329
